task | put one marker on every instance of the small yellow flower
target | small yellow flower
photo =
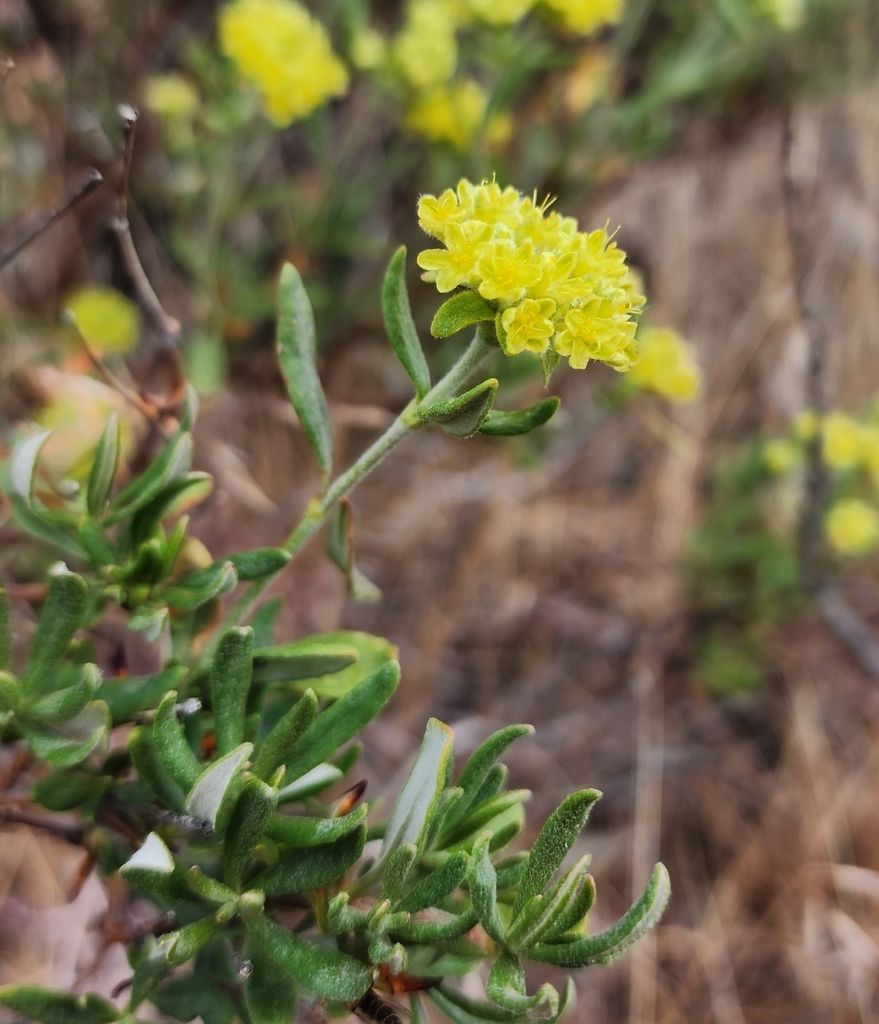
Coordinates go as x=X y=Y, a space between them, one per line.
x=805 y=425
x=852 y=527
x=500 y=12
x=436 y=213
x=666 y=365
x=528 y=325
x=583 y=17
x=368 y=49
x=841 y=435
x=104 y=317
x=780 y=456
x=507 y=271
x=449 y=113
x=594 y=332
x=285 y=53
x=455 y=265
x=426 y=50
x=171 y=96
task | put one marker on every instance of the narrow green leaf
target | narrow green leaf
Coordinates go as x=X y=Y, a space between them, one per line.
x=41 y=1004
x=126 y=696
x=173 y=547
x=342 y=553
x=259 y=563
x=482 y=880
x=172 y=744
x=299 y=870
x=23 y=465
x=5 y=632
x=252 y=812
x=230 y=683
x=327 y=972
x=187 y=941
x=343 y=720
x=523 y=421
x=175 y=498
x=63 y=613
x=312 y=782
x=173 y=462
x=541 y=913
x=480 y=763
x=270 y=994
x=297 y=354
x=150 y=963
x=208 y=888
x=461 y=1009
x=103 y=471
x=67 y=789
x=483 y=814
x=28 y=519
x=301 y=831
x=418 y=798
x=200 y=587
x=506 y=987
x=435 y=886
x=11 y=693
x=574 y=913
x=302 y=659
x=400 y=326
x=95 y=544
x=372 y=653
x=212 y=797
x=549 y=360
x=64 y=704
x=149 y=621
x=556 y=837
x=463 y=309
x=429 y=932
x=67 y=743
x=606 y=946
x=464 y=415
x=263 y=623
x=277 y=745
x=397 y=868
x=151 y=768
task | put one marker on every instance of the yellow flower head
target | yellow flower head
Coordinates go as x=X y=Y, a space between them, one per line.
x=170 y=96
x=451 y=113
x=666 y=365
x=788 y=15
x=842 y=437
x=805 y=425
x=500 y=12
x=582 y=17
x=426 y=50
x=780 y=456
x=553 y=285
x=281 y=50
x=368 y=49
x=104 y=317
x=852 y=527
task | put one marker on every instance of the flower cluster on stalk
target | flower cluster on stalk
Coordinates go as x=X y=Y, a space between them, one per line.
x=554 y=287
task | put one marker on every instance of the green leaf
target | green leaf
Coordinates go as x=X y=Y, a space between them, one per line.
x=479 y=764
x=172 y=744
x=149 y=621
x=151 y=965
x=62 y=705
x=183 y=944
x=41 y=1004
x=204 y=992
x=482 y=880
x=312 y=782
x=396 y=871
x=342 y=553
x=462 y=310
x=297 y=354
x=573 y=914
x=64 y=790
x=259 y=563
x=35 y=525
x=263 y=623
x=372 y=653
x=420 y=793
x=175 y=498
x=452 y=927
x=549 y=360
x=63 y=613
x=270 y=994
x=606 y=946
x=200 y=587
x=231 y=669
x=208 y=888
x=252 y=812
x=103 y=471
x=151 y=768
x=301 y=831
x=343 y=720
x=95 y=544
x=436 y=886
x=299 y=870
x=464 y=415
x=506 y=987
x=400 y=325
x=173 y=462
x=5 y=632
x=483 y=814
x=68 y=743
x=126 y=696
x=301 y=660
x=461 y=1009
x=556 y=837
x=523 y=421
x=23 y=465
x=327 y=972
x=211 y=798
x=277 y=745
x=541 y=913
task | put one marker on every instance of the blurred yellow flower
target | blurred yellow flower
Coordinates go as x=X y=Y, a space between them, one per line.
x=666 y=365
x=451 y=113
x=500 y=12
x=788 y=15
x=426 y=50
x=368 y=49
x=285 y=53
x=852 y=527
x=588 y=80
x=575 y=291
x=841 y=440
x=780 y=456
x=104 y=317
x=585 y=16
x=805 y=425
x=171 y=96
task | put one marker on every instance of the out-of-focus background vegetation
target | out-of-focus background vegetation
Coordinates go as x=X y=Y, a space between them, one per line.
x=629 y=579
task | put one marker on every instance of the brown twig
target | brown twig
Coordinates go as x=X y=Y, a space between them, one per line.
x=129 y=394
x=167 y=325
x=91 y=182
x=73 y=833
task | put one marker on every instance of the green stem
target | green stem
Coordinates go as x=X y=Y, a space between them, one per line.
x=320 y=507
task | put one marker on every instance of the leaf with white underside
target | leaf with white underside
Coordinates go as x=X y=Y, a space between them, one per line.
x=154 y=855
x=208 y=794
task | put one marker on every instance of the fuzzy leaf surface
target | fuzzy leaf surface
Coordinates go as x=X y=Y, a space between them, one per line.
x=399 y=323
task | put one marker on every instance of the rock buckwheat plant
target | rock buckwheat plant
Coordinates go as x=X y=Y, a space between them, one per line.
x=211 y=800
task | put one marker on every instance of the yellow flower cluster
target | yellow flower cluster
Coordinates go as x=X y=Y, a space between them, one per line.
x=852 y=527
x=454 y=113
x=554 y=286
x=281 y=50
x=171 y=96
x=426 y=49
x=666 y=365
x=582 y=17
